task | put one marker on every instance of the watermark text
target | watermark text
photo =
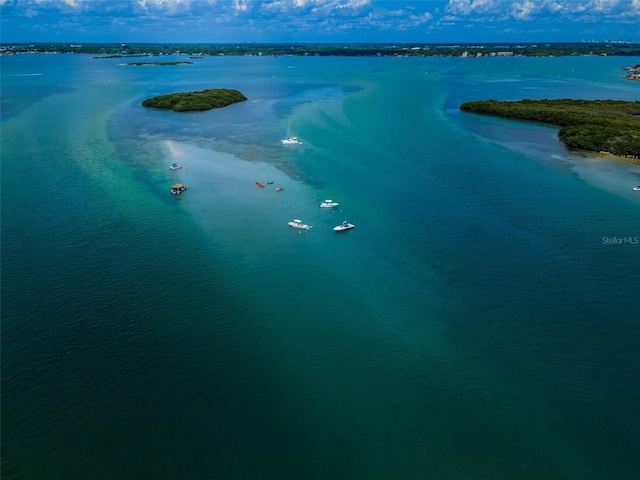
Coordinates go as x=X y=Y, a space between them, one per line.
x=620 y=240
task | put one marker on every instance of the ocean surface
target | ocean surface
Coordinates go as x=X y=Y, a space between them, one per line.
x=482 y=321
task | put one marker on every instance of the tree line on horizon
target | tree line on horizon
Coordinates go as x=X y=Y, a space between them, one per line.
x=328 y=49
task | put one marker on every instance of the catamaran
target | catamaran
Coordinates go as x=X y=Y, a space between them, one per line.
x=289 y=139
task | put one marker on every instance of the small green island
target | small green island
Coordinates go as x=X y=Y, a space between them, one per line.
x=195 y=101
x=611 y=126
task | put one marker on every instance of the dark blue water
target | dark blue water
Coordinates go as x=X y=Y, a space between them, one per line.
x=482 y=320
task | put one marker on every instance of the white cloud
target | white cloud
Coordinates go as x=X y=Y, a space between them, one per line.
x=522 y=11
x=173 y=6
x=517 y=9
x=554 y=6
x=249 y=19
x=240 y=5
x=528 y=9
x=634 y=9
x=466 y=7
x=604 y=5
x=328 y=3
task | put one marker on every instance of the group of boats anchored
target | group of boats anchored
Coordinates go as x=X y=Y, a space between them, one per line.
x=180 y=188
x=177 y=188
x=346 y=225
x=296 y=222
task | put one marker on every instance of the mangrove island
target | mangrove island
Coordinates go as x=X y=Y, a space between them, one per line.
x=594 y=125
x=195 y=101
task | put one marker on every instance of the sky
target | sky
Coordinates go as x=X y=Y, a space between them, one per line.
x=319 y=21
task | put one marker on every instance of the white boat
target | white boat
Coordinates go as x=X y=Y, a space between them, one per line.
x=178 y=188
x=329 y=204
x=344 y=226
x=291 y=141
x=297 y=223
x=636 y=189
x=175 y=166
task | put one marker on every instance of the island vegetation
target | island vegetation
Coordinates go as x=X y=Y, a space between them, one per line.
x=594 y=125
x=195 y=101
x=120 y=50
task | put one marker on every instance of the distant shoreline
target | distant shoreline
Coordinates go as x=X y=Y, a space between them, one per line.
x=157 y=64
x=120 y=50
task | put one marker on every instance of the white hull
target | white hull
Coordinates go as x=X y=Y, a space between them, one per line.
x=291 y=141
x=298 y=224
x=344 y=226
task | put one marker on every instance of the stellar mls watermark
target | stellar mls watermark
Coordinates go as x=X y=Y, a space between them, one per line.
x=620 y=240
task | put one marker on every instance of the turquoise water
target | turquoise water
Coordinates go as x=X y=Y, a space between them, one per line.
x=478 y=323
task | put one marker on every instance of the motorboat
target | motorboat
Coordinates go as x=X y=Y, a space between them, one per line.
x=636 y=189
x=291 y=141
x=329 y=204
x=279 y=189
x=175 y=166
x=259 y=185
x=344 y=226
x=178 y=188
x=297 y=223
